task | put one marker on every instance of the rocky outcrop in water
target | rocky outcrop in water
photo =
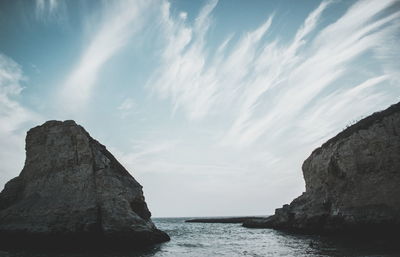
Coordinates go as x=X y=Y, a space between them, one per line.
x=73 y=192
x=352 y=182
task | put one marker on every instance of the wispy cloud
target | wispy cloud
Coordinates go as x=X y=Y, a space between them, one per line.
x=269 y=85
x=126 y=105
x=54 y=10
x=13 y=118
x=126 y=108
x=118 y=22
x=182 y=76
x=331 y=58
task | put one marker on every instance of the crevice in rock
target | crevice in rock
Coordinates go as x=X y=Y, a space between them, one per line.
x=99 y=216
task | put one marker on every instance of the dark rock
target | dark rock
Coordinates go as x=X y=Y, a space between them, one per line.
x=352 y=182
x=72 y=192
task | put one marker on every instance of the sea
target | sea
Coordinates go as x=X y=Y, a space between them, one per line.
x=213 y=239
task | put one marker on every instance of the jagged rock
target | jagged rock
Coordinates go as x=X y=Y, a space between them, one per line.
x=73 y=192
x=352 y=182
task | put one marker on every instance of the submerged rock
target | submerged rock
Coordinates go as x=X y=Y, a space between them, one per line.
x=73 y=192
x=352 y=182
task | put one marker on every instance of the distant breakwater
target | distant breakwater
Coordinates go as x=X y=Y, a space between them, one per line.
x=226 y=219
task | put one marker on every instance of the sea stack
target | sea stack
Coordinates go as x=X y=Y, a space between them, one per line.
x=352 y=182
x=72 y=192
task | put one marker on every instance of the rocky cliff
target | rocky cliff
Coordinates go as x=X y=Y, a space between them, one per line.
x=73 y=192
x=352 y=182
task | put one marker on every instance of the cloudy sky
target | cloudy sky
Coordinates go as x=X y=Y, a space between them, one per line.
x=211 y=105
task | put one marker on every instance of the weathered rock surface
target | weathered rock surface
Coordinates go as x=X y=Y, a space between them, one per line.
x=352 y=182
x=73 y=192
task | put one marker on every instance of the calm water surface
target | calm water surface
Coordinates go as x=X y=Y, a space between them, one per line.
x=200 y=239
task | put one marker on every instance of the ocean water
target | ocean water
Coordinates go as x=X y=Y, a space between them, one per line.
x=209 y=240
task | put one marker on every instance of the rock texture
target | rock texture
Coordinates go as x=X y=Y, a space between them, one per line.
x=73 y=192
x=352 y=182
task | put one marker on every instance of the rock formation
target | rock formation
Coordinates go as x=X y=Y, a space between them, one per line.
x=73 y=192
x=352 y=182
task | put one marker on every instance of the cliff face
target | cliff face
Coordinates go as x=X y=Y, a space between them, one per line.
x=352 y=181
x=73 y=191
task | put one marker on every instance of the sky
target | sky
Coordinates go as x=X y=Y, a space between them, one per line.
x=211 y=105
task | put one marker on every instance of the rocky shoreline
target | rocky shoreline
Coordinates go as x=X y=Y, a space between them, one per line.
x=352 y=183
